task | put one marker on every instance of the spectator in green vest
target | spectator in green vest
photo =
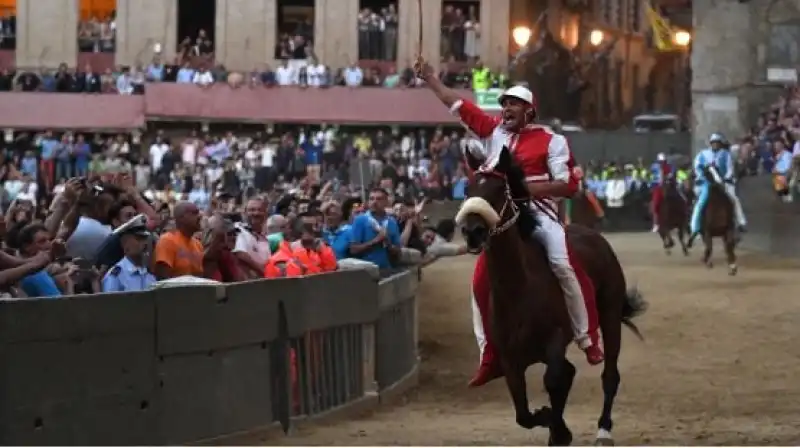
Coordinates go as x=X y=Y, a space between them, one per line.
x=481 y=77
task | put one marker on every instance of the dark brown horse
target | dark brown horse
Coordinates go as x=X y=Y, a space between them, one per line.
x=673 y=214
x=529 y=319
x=717 y=220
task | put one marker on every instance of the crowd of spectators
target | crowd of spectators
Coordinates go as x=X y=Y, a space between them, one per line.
x=461 y=31
x=377 y=33
x=91 y=213
x=772 y=146
x=98 y=34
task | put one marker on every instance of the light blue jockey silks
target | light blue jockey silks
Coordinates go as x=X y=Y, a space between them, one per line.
x=723 y=162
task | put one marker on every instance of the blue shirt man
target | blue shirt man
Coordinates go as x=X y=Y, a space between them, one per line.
x=783 y=162
x=339 y=239
x=130 y=273
x=375 y=234
x=40 y=284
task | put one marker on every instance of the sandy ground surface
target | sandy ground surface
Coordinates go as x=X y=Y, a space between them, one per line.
x=720 y=364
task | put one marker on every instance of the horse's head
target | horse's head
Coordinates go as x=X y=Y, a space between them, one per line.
x=491 y=207
x=712 y=175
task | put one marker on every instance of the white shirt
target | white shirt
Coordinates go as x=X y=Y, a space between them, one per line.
x=157 y=151
x=267 y=156
x=251 y=155
x=316 y=75
x=254 y=245
x=353 y=76
x=213 y=174
x=328 y=138
x=284 y=76
x=189 y=152
x=203 y=78
x=796 y=150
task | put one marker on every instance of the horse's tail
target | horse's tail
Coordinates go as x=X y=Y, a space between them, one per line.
x=633 y=306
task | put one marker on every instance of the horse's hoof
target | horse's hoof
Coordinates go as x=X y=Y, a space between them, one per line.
x=604 y=442
x=561 y=438
x=685 y=252
x=732 y=270
x=668 y=251
x=540 y=417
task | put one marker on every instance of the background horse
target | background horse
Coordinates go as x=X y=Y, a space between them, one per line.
x=673 y=214
x=718 y=220
x=528 y=314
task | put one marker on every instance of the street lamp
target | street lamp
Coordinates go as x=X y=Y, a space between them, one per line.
x=521 y=35
x=596 y=38
x=682 y=38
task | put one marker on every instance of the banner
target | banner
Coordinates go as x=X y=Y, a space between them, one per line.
x=487 y=99
x=661 y=28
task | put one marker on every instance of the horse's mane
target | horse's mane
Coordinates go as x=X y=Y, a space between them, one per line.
x=527 y=222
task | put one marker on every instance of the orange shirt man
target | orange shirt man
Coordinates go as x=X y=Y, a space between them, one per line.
x=178 y=252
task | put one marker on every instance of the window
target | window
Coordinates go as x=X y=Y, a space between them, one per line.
x=295 y=29
x=97 y=26
x=461 y=30
x=377 y=30
x=635 y=15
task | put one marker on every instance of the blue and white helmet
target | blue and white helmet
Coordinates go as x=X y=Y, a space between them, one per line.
x=716 y=137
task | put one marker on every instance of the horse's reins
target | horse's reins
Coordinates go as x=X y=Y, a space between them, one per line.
x=510 y=221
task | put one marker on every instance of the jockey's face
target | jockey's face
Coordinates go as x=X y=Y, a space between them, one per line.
x=716 y=146
x=514 y=113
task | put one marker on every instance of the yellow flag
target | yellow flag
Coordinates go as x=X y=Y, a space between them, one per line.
x=662 y=30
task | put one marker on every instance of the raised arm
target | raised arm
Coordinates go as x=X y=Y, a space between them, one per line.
x=476 y=120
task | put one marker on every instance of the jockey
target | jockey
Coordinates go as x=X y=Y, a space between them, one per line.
x=661 y=171
x=716 y=155
x=548 y=164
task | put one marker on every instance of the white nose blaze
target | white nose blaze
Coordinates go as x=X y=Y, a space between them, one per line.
x=480 y=207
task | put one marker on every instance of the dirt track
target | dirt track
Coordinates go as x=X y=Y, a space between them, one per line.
x=720 y=365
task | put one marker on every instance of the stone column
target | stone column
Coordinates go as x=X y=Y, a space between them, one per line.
x=336 y=36
x=47 y=33
x=141 y=24
x=246 y=33
x=495 y=33
x=408 y=32
x=724 y=60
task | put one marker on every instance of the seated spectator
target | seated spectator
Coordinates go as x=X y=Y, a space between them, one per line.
x=131 y=273
x=392 y=79
x=375 y=234
x=336 y=232
x=28 y=81
x=203 y=77
x=178 y=252
x=353 y=75
x=88 y=81
x=185 y=74
x=125 y=82
x=284 y=76
x=155 y=71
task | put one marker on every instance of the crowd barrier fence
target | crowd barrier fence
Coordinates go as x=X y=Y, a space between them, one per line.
x=188 y=364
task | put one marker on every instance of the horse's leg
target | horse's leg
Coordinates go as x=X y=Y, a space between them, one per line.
x=663 y=233
x=730 y=250
x=682 y=239
x=558 y=378
x=611 y=327
x=709 y=243
x=515 y=380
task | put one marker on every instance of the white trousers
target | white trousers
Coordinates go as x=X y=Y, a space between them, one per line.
x=552 y=234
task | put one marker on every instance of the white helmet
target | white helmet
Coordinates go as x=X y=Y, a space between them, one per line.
x=716 y=137
x=661 y=157
x=519 y=92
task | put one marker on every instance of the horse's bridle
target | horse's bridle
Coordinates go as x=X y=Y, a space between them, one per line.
x=508 y=203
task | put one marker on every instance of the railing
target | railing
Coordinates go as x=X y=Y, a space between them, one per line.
x=190 y=363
